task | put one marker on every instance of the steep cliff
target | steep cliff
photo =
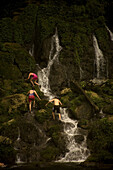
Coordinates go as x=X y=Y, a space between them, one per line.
x=25 y=40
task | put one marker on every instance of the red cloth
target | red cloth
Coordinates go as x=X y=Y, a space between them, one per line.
x=31 y=98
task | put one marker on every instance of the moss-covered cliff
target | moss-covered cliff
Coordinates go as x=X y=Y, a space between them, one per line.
x=76 y=23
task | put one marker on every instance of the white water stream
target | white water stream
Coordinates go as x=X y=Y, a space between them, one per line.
x=76 y=152
x=111 y=34
x=99 y=60
x=43 y=74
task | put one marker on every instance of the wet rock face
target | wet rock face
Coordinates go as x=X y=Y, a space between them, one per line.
x=12 y=102
x=42 y=51
x=38 y=141
x=31 y=139
x=15 y=61
x=79 y=139
x=83 y=111
x=65 y=69
x=58 y=77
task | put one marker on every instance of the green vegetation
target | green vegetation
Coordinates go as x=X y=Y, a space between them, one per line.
x=100 y=140
x=76 y=22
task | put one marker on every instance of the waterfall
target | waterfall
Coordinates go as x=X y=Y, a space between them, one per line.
x=17 y=147
x=31 y=50
x=81 y=73
x=111 y=34
x=99 y=62
x=43 y=74
x=77 y=151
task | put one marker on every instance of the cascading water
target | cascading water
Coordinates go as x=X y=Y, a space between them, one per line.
x=81 y=73
x=31 y=51
x=100 y=62
x=111 y=34
x=17 y=147
x=43 y=74
x=77 y=152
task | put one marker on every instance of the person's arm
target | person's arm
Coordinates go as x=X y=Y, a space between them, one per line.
x=48 y=102
x=29 y=75
x=60 y=102
x=28 y=92
x=37 y=95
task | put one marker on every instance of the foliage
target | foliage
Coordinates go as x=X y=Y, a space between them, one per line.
x=100 y=138
x=7 y=153
x=15 y=60
x=26 y=23
x=9 y=32
x=42 y=116
x=75 y=21
x=49 y=153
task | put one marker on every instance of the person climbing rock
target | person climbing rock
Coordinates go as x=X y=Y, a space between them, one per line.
x=31 y=97
x=56 y=107
x=33 y=77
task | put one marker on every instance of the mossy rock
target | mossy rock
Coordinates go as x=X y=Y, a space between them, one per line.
x=5 y=140
x=108 y=109
x=98 y=100
x=103 y=156
x=84 y=123
x=65 y=91
x=9 y=129
x=100 y=139
x=9 y=71
x=20 y=86
x=9 y=31
x=7 y=153
x=49 y=153
x=12 y=103
x=42 y=116
x=65 y=100
x=8 y=136
x=16 y=61
x=83 y=111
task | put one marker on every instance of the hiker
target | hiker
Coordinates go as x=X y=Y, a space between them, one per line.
x=31 y=97
x=56 y=107
x=33 y=76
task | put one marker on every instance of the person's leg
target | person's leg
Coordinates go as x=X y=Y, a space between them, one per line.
x=58 y=112
x=30 y=106
x=35 y=82
x=31 y=80
x=34 y=103
x=59 y=116
x=53 y=115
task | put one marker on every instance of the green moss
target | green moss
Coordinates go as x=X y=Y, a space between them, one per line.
x=7 y=153
x=84 y=123
x=16 y=61
x=7 y=27
x=49 y=153
x=26 y=23
x=77 y=101
x=42 y=116
x=12 y=104
x=55 y=128
x=102 y=156
x=65 y=100
x=108 y=109
x=100 y=139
